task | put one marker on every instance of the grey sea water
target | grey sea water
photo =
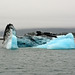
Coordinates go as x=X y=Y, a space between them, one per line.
x=32 y=61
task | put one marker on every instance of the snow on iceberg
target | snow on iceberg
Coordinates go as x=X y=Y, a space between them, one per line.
x=61 y=42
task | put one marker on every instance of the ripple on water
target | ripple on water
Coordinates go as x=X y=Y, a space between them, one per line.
x=30 y=61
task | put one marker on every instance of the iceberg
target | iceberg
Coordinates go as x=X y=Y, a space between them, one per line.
x=61 y=42
x=11 y=41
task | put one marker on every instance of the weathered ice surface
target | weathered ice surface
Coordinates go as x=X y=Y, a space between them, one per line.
x=9 y=37
x=11 y=41
x=61 y=42
x=30 y=41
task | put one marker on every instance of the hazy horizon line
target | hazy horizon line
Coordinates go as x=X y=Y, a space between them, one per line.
x=54 y=30
x=40 y=28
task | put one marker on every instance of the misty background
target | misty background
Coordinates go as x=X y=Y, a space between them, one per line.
x=36 y=14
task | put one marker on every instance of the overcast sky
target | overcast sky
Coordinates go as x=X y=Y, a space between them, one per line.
x=37 y=13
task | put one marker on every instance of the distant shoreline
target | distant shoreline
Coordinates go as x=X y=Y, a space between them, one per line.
x=21 y=32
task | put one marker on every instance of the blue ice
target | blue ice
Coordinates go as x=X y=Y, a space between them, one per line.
x=14 y=42
x=31 y=41
x=11 y=41
x=61 y=42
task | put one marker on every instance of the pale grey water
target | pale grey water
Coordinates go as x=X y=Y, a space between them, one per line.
x=31 y=61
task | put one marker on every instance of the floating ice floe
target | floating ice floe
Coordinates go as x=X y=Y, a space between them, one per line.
x=13 y=42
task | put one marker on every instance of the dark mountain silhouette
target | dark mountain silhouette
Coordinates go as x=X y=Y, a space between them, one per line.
x=21 y=32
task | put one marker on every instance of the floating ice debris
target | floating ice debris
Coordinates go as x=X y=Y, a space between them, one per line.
x=61 y=42
x=13 y=42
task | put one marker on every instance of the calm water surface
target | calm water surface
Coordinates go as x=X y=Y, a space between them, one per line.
x=31 y=61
